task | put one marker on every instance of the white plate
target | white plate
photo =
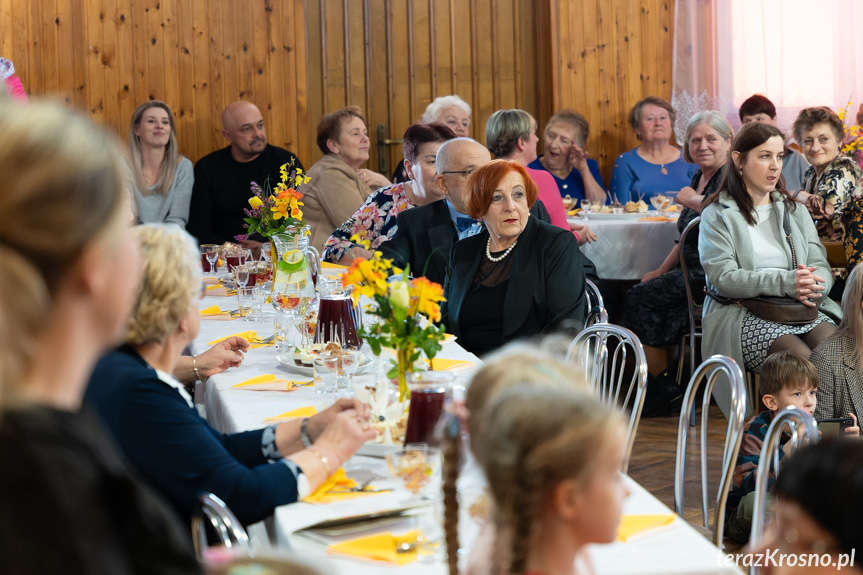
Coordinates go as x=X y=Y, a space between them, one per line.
x=366 y=364
x=377 y=449
x=596 y=216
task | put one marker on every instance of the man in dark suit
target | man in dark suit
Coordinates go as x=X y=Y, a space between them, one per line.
x=426 y=234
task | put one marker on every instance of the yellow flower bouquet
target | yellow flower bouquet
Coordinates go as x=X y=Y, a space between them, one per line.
x=271 y=211
x=407 y=309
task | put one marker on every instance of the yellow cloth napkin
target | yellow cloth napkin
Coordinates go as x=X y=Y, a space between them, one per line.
x=213 y=310
x=250 y=336
x=269 y=382
x=447 y=337
x=632 y=525
x=293 y=414
x=338 y=481
x=440 y=364
x=379 y=547
x=656 y=219
x=329 y=266
x=217 y=291
x=573 y=212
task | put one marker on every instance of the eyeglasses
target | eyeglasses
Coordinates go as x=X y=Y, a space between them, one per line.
x=465 y=173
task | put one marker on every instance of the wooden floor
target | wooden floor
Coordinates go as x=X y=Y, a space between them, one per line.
x=653 y=457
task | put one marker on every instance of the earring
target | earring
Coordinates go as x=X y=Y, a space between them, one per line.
x=740 y=171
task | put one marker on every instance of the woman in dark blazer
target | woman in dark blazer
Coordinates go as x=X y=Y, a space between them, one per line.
x=157 y=427
x=838 y=358
x=518 y=277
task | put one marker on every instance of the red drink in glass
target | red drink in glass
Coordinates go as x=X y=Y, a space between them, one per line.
x=336 y=321
x=205 y=264
x=234 y=261
x=253 y=278
x=425 y=411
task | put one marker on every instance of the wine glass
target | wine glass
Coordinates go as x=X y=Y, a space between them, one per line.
x=585 y=209
x=568 y=201
x=245 y=256
x=211 y=252
x=245 y=302
x=659 y=202
x=350 y=364
x=241 y=273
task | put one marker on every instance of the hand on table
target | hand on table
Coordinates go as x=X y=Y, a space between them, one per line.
x=227 y=353
x=808 y=285
x=585 y=235
x=318 y=423
x=346 y=432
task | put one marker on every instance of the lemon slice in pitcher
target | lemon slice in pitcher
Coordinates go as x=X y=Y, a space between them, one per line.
x=293 y=261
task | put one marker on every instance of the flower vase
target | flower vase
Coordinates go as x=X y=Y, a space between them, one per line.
x=404 y=366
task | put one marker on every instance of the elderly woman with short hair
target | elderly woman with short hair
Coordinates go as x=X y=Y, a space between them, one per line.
x=156 y=425
x=832 y=184
x=498 y=289
x=566 y=158
x=655 y=166
x=337 y=185
x=451 y=111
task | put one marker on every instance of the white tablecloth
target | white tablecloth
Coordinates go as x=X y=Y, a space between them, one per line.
x=628 y=249
x=675 y=549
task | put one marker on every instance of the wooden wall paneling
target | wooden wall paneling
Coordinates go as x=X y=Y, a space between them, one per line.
x=125 y=66
x=65 y=67
x=315 y=78
x=400 y=73
x=218 y=66
x=665 y=46
x=378 y=64
x=138 y=17
x=548 y=54
x=154 y=78
x=184 y=105
x=208 y=123
x=632 y=32
x=648 y=48
x=282 y=71
x=230 y=49
x=462 y=15
x=355 y=71
x=608 y=73
x=49 y=46
x=34 y=44
x=588 y=102
x=423 y=55
x=301 y=138
x=430 y=23
x=439 y=45
x=482 y=65
x=527 y=70
x=7 y=40
x=170 y=54
x=95 y=69
x=18 y=31
x=259 y=34
x=246 y=53
x=110 y=60
x=335 y=57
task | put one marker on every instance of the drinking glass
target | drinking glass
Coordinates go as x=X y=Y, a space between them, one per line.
x=417 y=468
x=241 y=273
x=282 y=331
x=260 y=297
x=245 y=301
x=327 y=366
x=350 y=364
x=585 y=209
x=568 y=201
x=430 y=391
x=659 y=202
x=211 y=252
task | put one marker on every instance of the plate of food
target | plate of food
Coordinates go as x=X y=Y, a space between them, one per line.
x=301 y=362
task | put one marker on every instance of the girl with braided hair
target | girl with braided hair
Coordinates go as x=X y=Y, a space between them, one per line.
x=552 y=458
x=514 y=364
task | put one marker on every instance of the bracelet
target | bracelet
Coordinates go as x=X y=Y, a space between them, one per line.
x=795 y=194
x=195 y=368
x=324 y=460
x=304 y=433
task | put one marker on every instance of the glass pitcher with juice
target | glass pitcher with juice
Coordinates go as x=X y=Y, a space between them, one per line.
x=293 y=285
x=338 y=318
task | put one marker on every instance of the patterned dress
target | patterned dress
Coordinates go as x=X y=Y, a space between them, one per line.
x=840 y=185
x=374 y=221
x=656 y=310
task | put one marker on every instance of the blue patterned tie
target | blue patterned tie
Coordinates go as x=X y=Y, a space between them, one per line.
x=463 y=224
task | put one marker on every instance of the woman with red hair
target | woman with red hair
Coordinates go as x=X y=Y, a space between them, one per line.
x=517 y=278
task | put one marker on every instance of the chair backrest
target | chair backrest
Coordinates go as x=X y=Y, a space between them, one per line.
x=228 y=528
x=596 y=312
x=608 y=373
x=694 y=298
x=803 y=429
x=710 y=370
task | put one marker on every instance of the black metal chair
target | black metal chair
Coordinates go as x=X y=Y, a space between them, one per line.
x=695 y=305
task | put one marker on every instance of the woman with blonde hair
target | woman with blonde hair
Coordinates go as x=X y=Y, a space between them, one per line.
x=71 y=270
x=158 y=428
x=160 y=181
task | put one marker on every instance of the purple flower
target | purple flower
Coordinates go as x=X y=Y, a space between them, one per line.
x=242 y=237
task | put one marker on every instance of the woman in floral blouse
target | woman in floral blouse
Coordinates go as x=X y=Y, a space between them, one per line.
x=375 y=220
x=832 y=184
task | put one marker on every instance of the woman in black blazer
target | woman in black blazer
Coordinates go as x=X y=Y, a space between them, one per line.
x=518 y=277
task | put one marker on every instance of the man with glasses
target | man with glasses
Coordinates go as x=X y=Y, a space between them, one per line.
x=426 y=233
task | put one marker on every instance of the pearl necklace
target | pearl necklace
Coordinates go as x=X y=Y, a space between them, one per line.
x=500 y=257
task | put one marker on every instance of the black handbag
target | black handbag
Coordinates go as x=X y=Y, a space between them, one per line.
x=776 y=309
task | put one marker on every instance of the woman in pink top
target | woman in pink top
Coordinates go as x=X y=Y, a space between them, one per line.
x=511 y=135
x=13 y=84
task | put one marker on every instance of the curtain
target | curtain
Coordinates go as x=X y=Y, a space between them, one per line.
x=798 y=53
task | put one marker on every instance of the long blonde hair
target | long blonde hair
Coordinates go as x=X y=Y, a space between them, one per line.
x=170 y=160
x=852 y=312
x=61 y=188
x=514 y=364
x=536 y=437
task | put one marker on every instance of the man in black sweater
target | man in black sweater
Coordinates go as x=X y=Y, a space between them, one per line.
x=223 y=179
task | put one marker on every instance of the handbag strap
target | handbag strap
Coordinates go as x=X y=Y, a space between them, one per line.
x=786 y=223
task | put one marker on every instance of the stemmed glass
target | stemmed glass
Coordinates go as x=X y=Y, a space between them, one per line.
x=350 y=364
x=418 y=468
x=241 y=272
x=659 y=203
x=585 y=209
x=212 y=254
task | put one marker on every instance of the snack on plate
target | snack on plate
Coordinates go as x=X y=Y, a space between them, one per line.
x=605 y=210
x=631 y=208
x=672 y=208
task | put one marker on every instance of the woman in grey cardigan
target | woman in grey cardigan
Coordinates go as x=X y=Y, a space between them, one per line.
x=745 y=254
